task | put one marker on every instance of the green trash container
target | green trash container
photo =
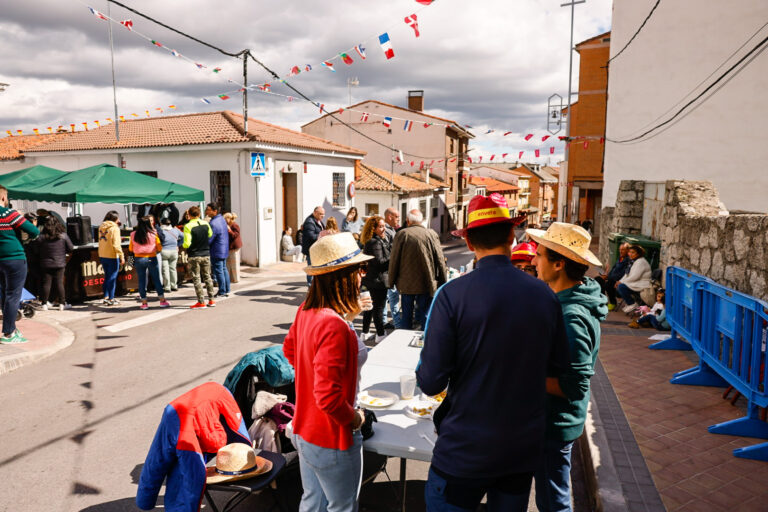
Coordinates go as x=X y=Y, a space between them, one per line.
x=614 y=242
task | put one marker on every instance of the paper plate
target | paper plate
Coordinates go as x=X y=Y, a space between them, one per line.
x=376 y=398
x=437 y=399
x=421 y=410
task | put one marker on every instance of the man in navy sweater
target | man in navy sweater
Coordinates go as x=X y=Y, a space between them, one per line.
x=493 y=336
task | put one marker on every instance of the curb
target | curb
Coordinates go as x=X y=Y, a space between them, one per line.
x=603 y=485
x=16 y=361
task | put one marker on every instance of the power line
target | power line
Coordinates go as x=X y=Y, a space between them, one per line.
x=153 y=20
x=635 y=35
x=702 y=93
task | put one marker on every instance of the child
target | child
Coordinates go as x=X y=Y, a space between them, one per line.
x=657 y=317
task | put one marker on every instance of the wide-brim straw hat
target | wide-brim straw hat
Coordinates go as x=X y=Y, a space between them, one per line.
x=333 y=252
x=236 y=461
x=570 y=240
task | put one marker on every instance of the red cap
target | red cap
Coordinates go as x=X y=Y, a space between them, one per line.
x=524 y=251
x=485 y=210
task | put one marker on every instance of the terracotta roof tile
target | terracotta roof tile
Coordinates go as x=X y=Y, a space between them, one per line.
x=434 y=180
x=492 y=185
x=12 y=148
x=372 y=178
x=191 y=129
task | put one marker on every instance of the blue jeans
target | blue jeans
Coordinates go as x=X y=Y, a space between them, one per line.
x=309 y=262
x=220 y=274
x=421 y=302
x=111 y=268
x=393 y=299
x=144 y=265
x=553 y=488
x=13 y=273
x=625 y=293
x=462 y=498
x=331 y=478
x=651 y=319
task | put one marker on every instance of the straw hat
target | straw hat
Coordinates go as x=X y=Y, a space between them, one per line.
x=333 y=252
x=236 y=461
x=570 y=240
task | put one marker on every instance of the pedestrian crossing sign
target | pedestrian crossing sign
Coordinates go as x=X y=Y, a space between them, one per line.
x=258 y=164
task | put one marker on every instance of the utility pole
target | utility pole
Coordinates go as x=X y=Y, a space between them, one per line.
x=246 y=53
x=572 y=4
x=114 y=87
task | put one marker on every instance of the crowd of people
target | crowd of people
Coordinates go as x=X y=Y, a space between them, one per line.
x=525 y=323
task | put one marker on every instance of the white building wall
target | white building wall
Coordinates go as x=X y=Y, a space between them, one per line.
x=383 y=199
x=722 y=139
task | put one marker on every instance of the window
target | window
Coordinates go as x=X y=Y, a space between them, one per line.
x=403 y=214
x=339 y=183
x=221 y=190
x=148 y=173
x=371 y=209
x=423 y=208
x=434 y=212
x=453 y=146
x=450 y=185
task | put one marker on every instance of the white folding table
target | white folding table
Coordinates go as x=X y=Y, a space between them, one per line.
x=395 y=433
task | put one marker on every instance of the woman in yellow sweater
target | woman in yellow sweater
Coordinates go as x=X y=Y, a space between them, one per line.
x=111 y=255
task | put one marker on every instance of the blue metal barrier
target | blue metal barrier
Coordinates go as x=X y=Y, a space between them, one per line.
x=734 y=332
x=683 y=307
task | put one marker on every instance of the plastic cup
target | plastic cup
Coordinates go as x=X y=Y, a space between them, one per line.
x=407 y=386
x=367 y=296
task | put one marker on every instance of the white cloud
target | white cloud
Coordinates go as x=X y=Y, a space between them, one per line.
x=487 y=63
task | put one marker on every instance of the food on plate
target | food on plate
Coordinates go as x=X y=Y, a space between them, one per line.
x=440 y=396
x=422 y=411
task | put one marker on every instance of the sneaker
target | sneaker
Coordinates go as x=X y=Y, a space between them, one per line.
x=144 y=305
x=378 y=338
x=633 y=324
x=47 y=306
x=211 y=304
x=174 y=289
x=165 y=304
x=611 y=307
x=14 y=339
x=115 y=302
x=629 y=309
x=107 y=302
x=197 y=305
x=64 y=306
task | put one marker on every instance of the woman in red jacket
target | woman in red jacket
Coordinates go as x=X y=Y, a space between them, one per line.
x=323 y=348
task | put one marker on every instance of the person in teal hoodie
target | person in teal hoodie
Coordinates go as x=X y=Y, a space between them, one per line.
x=562 y=260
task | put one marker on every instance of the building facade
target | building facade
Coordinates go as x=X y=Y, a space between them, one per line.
x=211 y=151
x=717 y=138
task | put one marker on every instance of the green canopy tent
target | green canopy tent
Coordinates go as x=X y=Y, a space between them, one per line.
x=106 y=183
x=19 y=182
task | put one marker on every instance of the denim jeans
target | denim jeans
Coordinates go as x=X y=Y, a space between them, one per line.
x=393 y=299
x=439 y=498
x=111 y=268
x=625 y=293
x=170 y=259
x=331 y=478
x=309 y=263
x=421 y=302
x=220 y=273
x=651 y=319
x=13 y=273
x=144 y=266
x=553 y=480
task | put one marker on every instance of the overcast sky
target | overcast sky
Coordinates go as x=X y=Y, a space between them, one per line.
x=490 y=64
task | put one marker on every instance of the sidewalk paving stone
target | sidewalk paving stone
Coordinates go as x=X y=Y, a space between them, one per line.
x=692 y=469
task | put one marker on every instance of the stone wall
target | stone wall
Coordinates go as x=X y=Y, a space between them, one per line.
x=607 y=226
x=700 y=235
x=628 y=216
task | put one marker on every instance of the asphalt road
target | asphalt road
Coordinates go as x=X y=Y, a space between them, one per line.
x=76 y=427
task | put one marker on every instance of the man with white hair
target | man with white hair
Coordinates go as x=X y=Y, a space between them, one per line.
x=417 y=268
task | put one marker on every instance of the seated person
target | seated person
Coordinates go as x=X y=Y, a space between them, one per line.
x=608 y=281
x=637 y=279
x=288 y=251
x=656 y=317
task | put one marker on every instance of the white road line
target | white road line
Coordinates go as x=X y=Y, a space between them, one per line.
x=162 y=315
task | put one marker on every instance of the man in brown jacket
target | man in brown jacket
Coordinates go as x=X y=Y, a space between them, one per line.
x=417 y=268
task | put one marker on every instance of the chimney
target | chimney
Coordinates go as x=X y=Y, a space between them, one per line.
x=416 y=100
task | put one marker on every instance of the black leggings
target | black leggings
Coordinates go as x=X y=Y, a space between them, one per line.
x=379 y=298
x=609 y=288
x=57 y=276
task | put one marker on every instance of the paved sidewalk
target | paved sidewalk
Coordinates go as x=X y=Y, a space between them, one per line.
x=692 y=469
x=46 y=337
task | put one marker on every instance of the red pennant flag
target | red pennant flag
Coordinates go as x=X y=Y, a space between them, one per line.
x=159 y=109
x=453 y=160
x=586 y=144
x=427 y=125
x=520 y=155
x=322 y=107
x=413 y=22
x=21 y=132
x=50 y=129
x=294 y=71
x=602 y=140
x=364 y=117
x=72 y=127
x=504 y=155
x=172 y=106
x=552 y=150
x=506 y=133
x=544 y=138
x=159 y=45
x=122 y=118
x=425 y=2
x=37 y=132
x=536 y=153
x=10 y=134
x=341 y=110
x=86 y=126
x=421 y=165
x=492 y=157
x=469 y=158
x=479 y=159
x=528 y=137
x=561 y=137
x=98 y=124
x=127 y=24
x=412 y=162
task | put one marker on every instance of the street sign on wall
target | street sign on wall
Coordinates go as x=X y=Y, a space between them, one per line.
x=258 y=164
